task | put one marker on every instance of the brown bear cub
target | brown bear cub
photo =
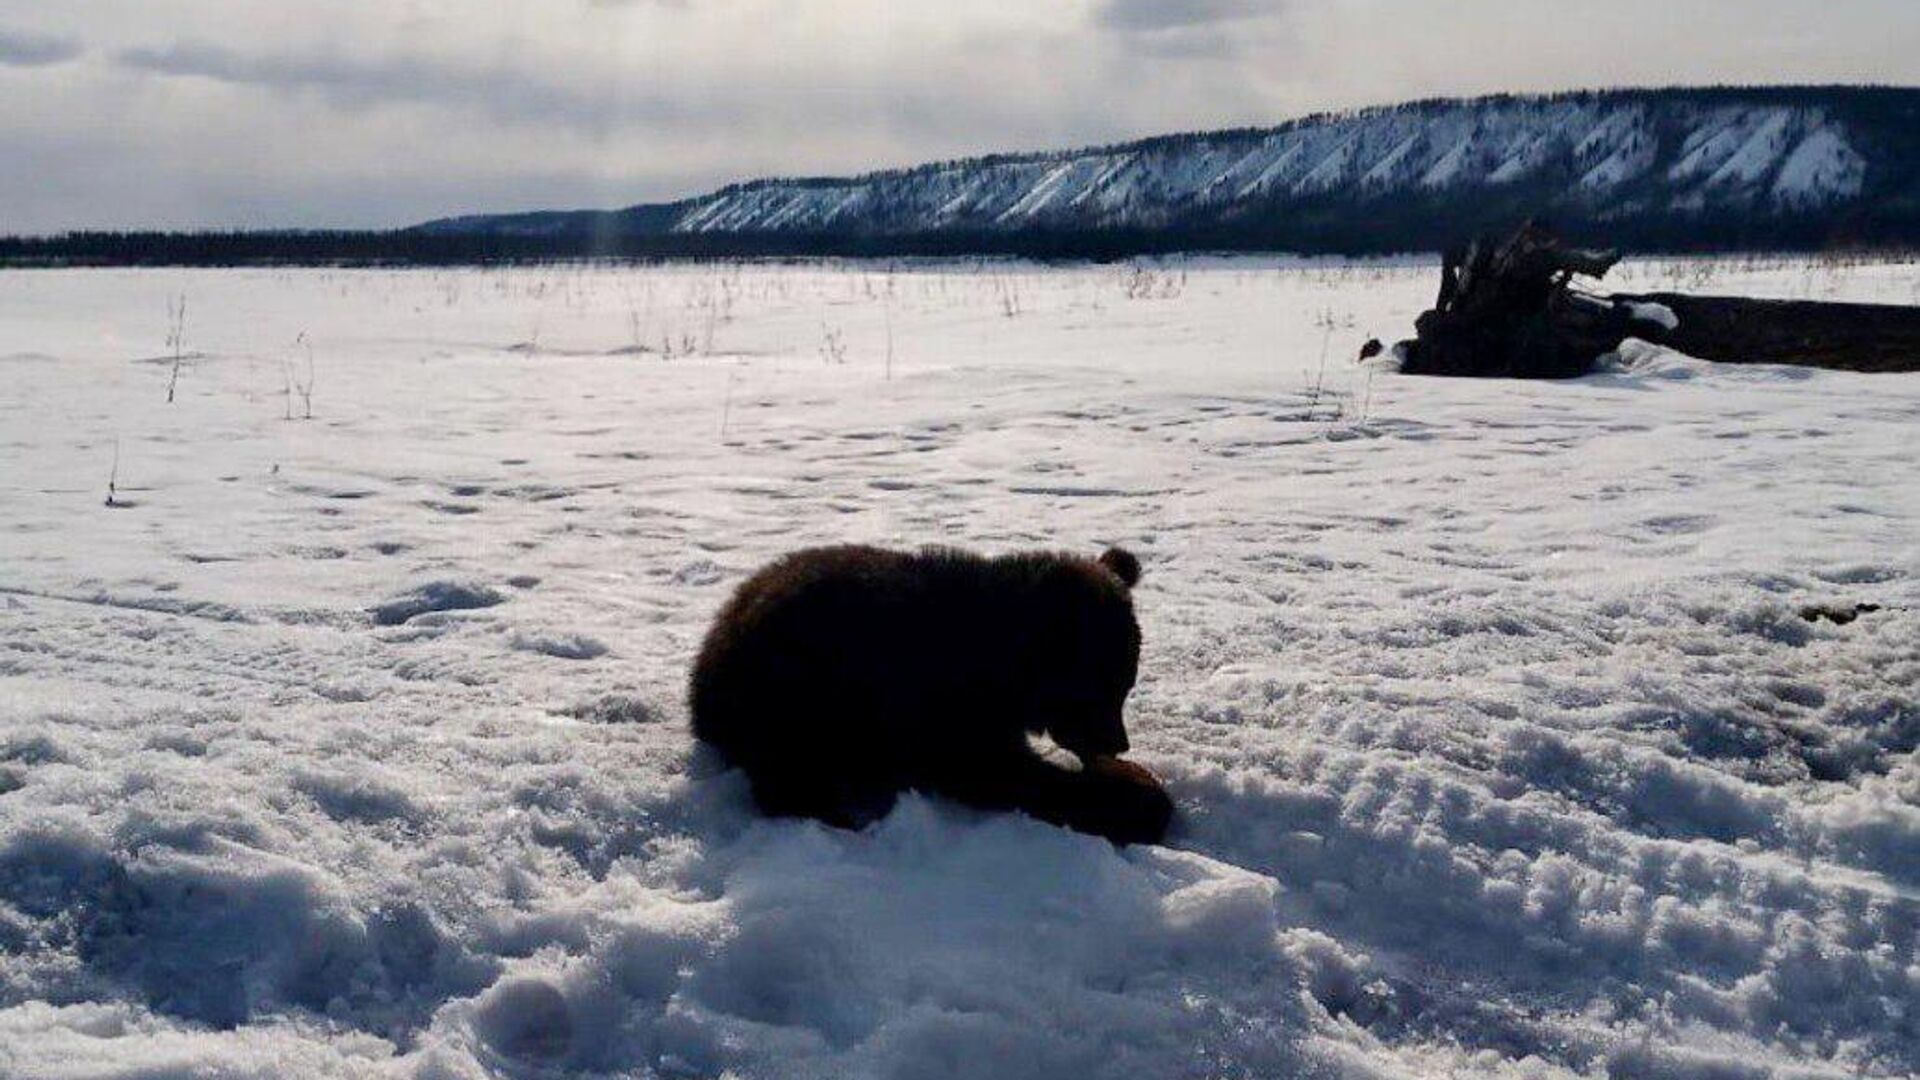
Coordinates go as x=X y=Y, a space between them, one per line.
x=839 y=677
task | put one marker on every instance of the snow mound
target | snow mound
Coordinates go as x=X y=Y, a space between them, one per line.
x=435 y=596
x=560 y=646
x=939 y=943
x=216 y=933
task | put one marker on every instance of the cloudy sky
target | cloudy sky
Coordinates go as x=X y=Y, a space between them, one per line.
x=179 y=113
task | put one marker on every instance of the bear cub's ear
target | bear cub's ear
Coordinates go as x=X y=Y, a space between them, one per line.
x=1123 y=564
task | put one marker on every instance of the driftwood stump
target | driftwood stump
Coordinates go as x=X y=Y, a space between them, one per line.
x=1507 y=309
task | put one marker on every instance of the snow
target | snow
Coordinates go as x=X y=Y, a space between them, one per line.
x=1806 y=153
x=1634 y=156
x=1759 y=154
x=1659 y=314
x=356 y=746
x=1823 y=163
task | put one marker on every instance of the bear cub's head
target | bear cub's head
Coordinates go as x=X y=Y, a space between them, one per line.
x=1086 y=652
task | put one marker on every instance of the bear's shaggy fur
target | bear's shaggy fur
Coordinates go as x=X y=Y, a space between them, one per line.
x=838 y=677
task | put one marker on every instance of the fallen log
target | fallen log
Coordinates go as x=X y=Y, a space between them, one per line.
x=1507 y=309
x=1742 y=330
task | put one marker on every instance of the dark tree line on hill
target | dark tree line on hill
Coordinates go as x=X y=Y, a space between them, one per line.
x=1402 y=226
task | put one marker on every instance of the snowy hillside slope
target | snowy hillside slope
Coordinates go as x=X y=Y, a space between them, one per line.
x=1633 y=155
x=356 y=746
x=1770 y=155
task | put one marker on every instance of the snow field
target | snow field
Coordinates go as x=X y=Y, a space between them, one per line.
x=355 y=746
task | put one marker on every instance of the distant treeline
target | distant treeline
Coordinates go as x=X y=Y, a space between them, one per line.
x=1407 y=225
